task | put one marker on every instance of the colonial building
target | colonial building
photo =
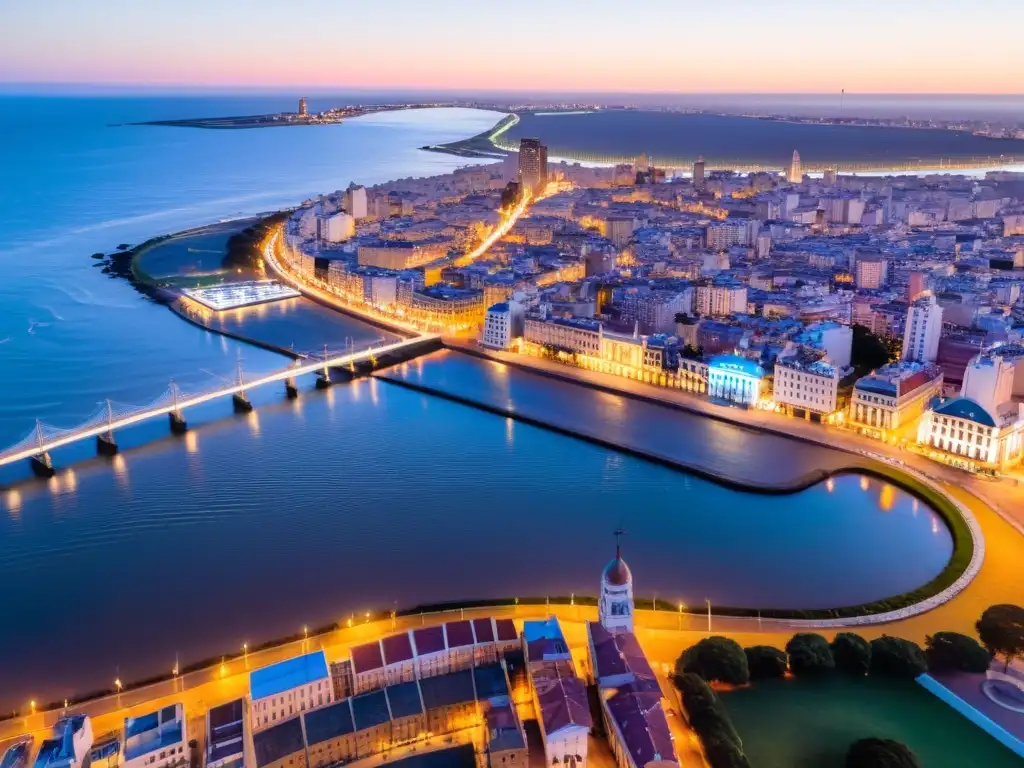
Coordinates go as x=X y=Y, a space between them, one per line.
x=806 y=384
x=735 y=378
x=893 y=397
x=962 y=432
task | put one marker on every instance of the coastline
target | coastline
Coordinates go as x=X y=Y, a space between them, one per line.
x=489 y=144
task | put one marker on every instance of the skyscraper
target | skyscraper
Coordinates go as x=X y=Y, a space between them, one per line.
x=302 y=107
x=533 y=165
x=924 y=327
x=698 y=171
x=795 y=174
x=830 y=176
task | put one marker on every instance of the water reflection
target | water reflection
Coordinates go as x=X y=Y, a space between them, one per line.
x=12 y=500
x=509 y=431
x=864 y=483
x=253 y=420
x=191 y=443
x=830 y=485
x=887 y=497
x=120 y=467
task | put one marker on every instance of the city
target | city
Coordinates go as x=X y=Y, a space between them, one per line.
x=524 y=404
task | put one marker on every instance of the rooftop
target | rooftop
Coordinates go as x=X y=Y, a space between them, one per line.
x=642 y=723
x=286 y=675
x=370 y=709
x=544 y=640
x=156 y=730
x=506 y=630
x=448 y=690
x=397 y=648
x=404 y=699
x=503 y=729
x=965 y=408
x=428 y=640
x=490 y=682
x=224 y=731
x=277 y=742
x=367 y=657
x=330 y=722
x=16 y=756
x=483 y=630
x=458 y=633
x=563 y=702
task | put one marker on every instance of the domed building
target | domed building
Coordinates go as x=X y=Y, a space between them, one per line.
x=615 y=606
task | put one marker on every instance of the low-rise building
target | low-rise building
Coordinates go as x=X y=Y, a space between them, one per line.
x=281 y=691
x=962 y=432
x=157 y=739
x=807 y=384
x=503 y=323
x=893 y=397
x=281 y=745
x=735 y=379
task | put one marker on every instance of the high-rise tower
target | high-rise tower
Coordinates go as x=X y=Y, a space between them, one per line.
x=698 y=171
x=795 y=174
x=533 y=165
x=615 y=607
x=302 y=107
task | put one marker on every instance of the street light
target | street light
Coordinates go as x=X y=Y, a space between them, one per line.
x=708 y=601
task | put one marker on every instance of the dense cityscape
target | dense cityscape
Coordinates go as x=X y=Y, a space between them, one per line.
x=523 y=405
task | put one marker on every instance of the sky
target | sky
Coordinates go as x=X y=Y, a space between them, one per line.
x=625 y=46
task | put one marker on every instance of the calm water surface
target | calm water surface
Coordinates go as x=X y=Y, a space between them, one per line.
x=360 y=497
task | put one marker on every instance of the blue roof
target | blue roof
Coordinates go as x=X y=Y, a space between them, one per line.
x=404 y=699
x=965 y=408
x=538 y=630
x=16 y=756
x=490 y=682
x=328 y=722
x=448 y=690
x=500 y=307
x=277 y=742
x=737 y=363
x=370 y=709
x=153 y=731
x=285 y=675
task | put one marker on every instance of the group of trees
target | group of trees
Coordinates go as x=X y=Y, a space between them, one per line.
x=722 y=660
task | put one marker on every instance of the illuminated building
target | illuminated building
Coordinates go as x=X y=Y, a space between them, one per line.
x=156 y=738
x=922 y=331
x=735 y=379
x=619 y=229
x=533 y=165
x=829 y=177
x=631 y=702
x=724 y=234
x=283 y=690
x=446 y=308
x=401 y=254
x=615 y=605
x=806 y=384
x=303 y=111
x=335 y=228
x=795 y=174
x=235 y=295
x=969 y=435
x=720 y=299
x=559 y=696
x=893 y=396
x=354 y=202
x=698 y=171
x=280 y=746
x=503 y=323
x=871 y=272
x=916 y=285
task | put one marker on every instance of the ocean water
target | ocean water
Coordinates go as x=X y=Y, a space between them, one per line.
x=363 y=496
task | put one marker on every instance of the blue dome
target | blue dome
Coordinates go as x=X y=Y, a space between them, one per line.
x=965 y=408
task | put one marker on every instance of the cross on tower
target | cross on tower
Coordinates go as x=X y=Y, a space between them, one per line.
x=619 y=533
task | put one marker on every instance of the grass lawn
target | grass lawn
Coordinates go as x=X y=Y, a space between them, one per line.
x=811 y=724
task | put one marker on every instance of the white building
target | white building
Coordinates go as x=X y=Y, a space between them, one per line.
x=503 y=322
x=806 y=384
x=615 y=605
x=283 y=690
x=619 y=229
x=354 y=203
x=735 y=378
x=722 y=235
x=988 y=381
x=964 y=433
x=336 y=228
x=720 y=299
x=158 y=739
x=923 y=330
x=69 y=745
x=832 y=338
x=893 y=396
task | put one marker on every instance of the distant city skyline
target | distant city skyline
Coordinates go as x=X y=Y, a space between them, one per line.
x=651 y=46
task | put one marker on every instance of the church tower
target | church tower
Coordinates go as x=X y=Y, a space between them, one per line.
x=615 y=607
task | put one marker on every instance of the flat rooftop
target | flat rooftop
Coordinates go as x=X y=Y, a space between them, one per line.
x=288 y=674
x=156 y=730
x=220 y=298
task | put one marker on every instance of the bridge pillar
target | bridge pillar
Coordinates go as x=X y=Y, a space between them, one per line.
x=291 y=389
x=241 y=403
x=178 y=424
x=105 y=445
x=42 y=466
x=323 y=380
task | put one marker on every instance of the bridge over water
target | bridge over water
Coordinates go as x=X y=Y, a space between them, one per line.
x=173 y=402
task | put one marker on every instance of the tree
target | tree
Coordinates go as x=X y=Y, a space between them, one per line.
x=896 y=657
x=765 y=662
x=880 y=753
x=953 y=652
x=809 y=655
x=716 y=659
x=852 y=654
x=868 y=351
x=1001 y=629
x=706 y=715
x=691 y=352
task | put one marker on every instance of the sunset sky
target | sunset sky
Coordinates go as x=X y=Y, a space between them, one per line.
x=749 y=46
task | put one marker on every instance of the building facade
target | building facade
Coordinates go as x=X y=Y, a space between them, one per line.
x=893 y=397
x=923 y=331
x=806 y=385
x=283 y=690
x=735 y=379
